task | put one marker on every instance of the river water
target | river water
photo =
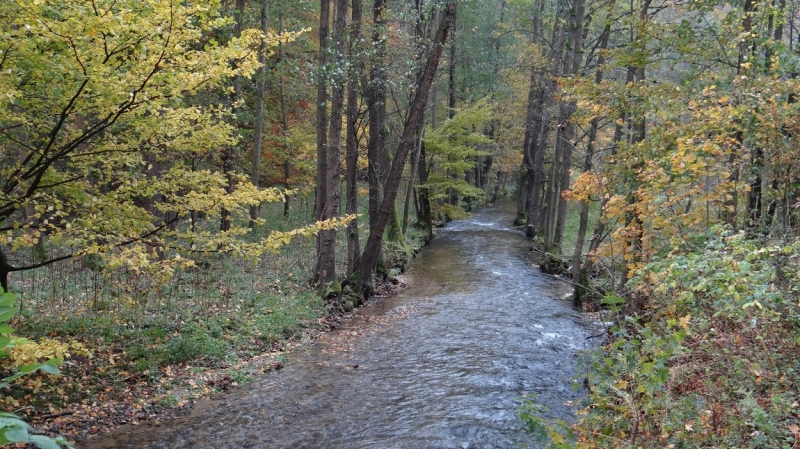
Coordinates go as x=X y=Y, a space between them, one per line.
x=444 y=364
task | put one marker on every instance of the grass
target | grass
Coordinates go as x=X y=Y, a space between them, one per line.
x=572 y=224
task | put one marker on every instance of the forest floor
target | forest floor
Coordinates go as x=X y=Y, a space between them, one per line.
x=100 y=388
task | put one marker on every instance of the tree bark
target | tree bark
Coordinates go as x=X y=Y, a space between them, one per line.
x=5 y=268
x=376 y=106
x=284 y=127
x=326 y=255
x=639 y=130
x=539 y=134
x=573 y=67
x=578 y=271
x=553 y=195
x=322 y=107
x=410 y=130
x=259 y=125
x=351 y=153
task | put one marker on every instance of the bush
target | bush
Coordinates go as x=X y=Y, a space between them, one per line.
x=712 y=361
x=12 y=428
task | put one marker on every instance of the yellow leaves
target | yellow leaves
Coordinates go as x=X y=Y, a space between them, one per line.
x=586 y=187
x=26 y=352
x=278 y=239
x=684 y=322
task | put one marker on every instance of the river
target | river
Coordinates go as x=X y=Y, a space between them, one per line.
x=444 y=364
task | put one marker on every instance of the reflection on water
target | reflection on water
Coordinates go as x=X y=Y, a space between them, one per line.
x=487 y=330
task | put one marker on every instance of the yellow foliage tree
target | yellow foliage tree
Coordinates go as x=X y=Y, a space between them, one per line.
x=99 y=133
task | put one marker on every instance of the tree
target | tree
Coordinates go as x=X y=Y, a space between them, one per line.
x=322 y=106
x=377 y=157
x=261 y=80
x=351 y=156
x=410 y=129
x=326 y=255
x=98 y=90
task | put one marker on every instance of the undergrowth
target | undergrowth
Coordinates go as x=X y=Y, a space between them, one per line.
x=712 y=361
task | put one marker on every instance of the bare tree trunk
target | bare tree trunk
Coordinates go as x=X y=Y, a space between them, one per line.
x=451 y=95
x=425 y=216
x=377 y=158
x=573 y=67
x=410 y=129
x=322 y=106
x=325 y=272
x=578 y=271
x=284 y=127
x=259 y=125
x=422 y=199
x=538 y=144
x=411 y=181
x=351 y=156
x=531 y=139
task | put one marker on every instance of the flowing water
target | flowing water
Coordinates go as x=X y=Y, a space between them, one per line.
x=479 y=328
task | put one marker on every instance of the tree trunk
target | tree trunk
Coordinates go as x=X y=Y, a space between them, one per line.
x=376 y=105
x=411 y=181
x=541 y=122
x=5 y=268
x=577 y=275
x=284 y=128
x=322 y=107
x=639 y=130
x=407 y=140
x=326 y=255
x=351 y=156
x=227 y=153
x=451 y=72
x=425 y=216
x=731 y=205
x=259 y=125
x=573 y=67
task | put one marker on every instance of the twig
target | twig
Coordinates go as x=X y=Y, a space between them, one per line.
x=55 y=415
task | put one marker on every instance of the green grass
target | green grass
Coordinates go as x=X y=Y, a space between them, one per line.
x=572 y=224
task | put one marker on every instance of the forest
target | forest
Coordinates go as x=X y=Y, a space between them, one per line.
x=195 y=184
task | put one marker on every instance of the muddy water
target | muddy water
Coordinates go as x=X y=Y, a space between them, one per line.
x=479 y=328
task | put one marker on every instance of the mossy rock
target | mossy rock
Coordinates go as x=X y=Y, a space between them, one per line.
x=553 y=265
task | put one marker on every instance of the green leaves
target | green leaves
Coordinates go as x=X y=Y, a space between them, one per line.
x=12 y=428
x=15 y=430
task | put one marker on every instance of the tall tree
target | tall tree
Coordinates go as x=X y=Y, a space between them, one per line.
x=569 y=137
x=407 y=141
x=377 y=157
x=261 y=82
x=322 y=107
x=580 y=272
x=228 y=153
x=326 y=252
x=351 y=156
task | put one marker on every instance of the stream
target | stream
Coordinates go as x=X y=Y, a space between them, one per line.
x=443 y=364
